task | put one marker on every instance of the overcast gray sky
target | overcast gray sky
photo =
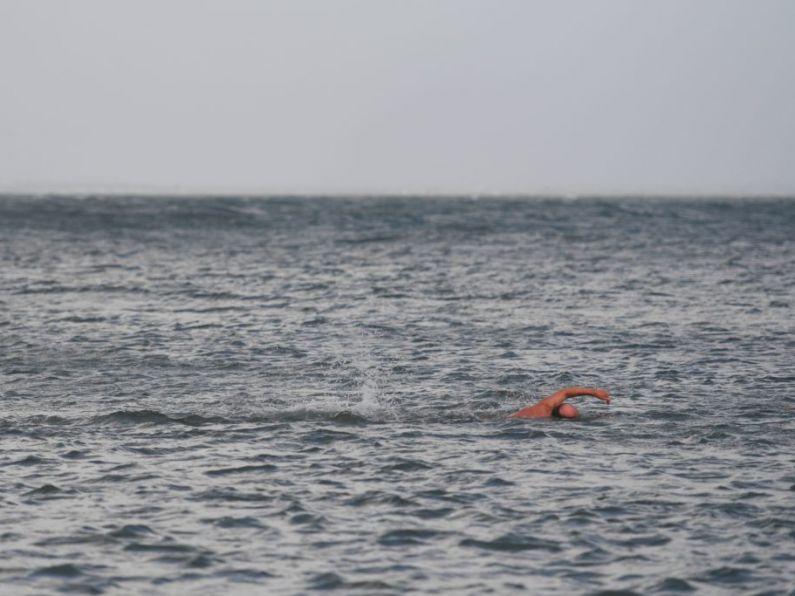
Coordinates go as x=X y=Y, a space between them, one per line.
x=473 y=96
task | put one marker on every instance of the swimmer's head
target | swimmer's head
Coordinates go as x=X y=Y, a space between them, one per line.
x=567 y=411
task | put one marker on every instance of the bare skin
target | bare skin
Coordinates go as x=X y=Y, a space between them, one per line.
x=554 y=406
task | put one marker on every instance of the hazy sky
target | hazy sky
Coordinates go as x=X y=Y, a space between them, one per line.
x=473 y=96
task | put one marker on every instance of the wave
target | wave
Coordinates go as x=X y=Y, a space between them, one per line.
x=499 y=426
x=153 y=417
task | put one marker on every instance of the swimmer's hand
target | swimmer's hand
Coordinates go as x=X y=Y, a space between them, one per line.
x=602 y=394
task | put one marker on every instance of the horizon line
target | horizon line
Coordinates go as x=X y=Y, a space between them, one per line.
x=32 y=189
x=262 y=194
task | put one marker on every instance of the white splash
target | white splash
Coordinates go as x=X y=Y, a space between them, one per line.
x=362 y=380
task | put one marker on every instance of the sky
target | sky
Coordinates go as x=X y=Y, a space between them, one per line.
x=398 y=96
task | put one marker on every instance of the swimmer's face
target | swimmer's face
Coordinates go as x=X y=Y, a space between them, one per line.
x=568 y=411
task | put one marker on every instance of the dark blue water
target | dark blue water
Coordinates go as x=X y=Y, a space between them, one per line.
x=289 y=395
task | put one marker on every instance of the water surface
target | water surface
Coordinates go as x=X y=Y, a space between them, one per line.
x=289 y=395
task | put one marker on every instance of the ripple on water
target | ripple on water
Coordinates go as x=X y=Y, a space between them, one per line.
x=512 y=543
x=66 y=570
x=409 y=536
x=258 y=469
x=673 y=584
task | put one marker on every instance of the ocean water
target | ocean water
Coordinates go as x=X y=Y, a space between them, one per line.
x=284 y=396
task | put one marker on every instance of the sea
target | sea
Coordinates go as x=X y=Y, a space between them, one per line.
x=293 y=395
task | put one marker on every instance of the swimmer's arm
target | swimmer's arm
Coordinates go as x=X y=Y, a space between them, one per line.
x=546 y=406
x=577 y=391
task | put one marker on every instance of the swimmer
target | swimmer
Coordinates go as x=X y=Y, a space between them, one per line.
x=554 y=406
